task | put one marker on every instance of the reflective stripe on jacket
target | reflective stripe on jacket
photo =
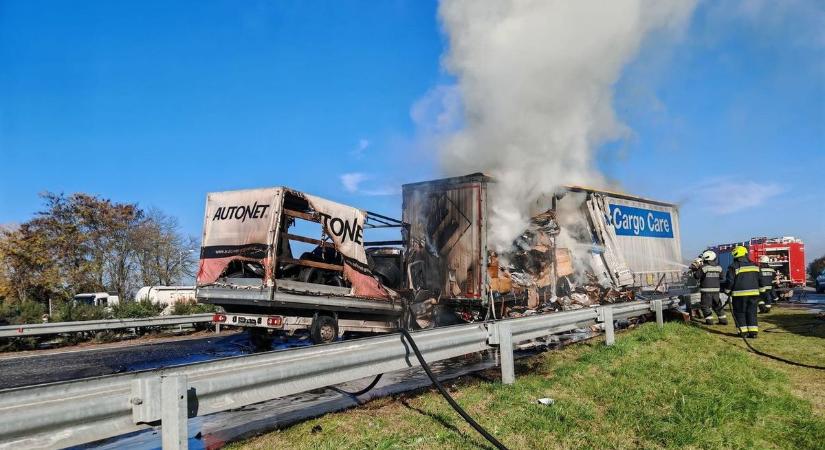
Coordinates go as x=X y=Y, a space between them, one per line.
x=710 y=277
x=743 y=278
x=766 y=275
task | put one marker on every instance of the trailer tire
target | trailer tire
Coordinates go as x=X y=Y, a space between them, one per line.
x=324 y=329
x=260 y=339
x=387 y=271
x=320 y=276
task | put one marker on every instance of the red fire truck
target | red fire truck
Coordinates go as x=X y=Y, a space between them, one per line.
x=786 y=255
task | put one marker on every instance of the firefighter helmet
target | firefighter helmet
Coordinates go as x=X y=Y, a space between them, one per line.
x=739 y=251
x=709 y=255
x=764 y=259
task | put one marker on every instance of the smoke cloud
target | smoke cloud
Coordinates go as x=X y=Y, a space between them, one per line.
x=536 y=82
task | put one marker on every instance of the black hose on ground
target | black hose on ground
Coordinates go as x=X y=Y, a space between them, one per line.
x=768 y=355
x=490 y=438
x=362 y=391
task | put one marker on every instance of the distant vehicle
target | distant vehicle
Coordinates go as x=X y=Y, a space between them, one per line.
x=819 y=283
x=166 y=295
x=786 y=255
x=96 y=299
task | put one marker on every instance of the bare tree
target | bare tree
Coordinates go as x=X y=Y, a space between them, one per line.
x=164 y=254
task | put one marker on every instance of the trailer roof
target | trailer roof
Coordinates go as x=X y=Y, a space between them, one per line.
x=482 y=177
x=382 y=220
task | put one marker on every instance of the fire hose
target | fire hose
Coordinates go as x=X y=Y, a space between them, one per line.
x=362 y=391
x=768 y=355
x=490 y=438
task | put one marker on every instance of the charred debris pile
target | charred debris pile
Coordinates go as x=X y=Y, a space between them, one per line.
x=538 y=276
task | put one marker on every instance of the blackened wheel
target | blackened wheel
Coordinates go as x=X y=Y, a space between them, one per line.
x=324 y=330
x=320 y=276
x=260 y=339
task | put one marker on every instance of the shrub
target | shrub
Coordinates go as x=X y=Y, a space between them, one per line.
x=135 y=310
x=16 y=313
x=71 y=312
x=191 y=307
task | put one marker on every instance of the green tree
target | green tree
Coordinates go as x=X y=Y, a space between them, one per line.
x=82 y=243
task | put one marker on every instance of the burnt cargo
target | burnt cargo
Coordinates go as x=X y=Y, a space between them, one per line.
x=583 y=246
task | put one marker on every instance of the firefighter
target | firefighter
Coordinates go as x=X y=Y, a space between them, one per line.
x=766 y=294
x=709 y=275
x=695 y=266
x=742 y=285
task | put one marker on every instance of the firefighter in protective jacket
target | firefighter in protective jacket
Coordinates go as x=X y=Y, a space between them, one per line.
x=743 y=282
x=709 y=275
x=766 y=293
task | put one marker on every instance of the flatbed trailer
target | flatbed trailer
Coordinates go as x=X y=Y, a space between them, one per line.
x=247 y=266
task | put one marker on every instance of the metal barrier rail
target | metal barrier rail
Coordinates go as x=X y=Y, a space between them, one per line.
x=41 y=329
x=81 y=411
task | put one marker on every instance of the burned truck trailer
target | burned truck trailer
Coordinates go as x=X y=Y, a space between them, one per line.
x=582 y=247
x=251 y=265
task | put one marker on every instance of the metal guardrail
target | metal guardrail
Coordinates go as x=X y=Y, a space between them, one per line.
x=75 y=412
x=41 y=329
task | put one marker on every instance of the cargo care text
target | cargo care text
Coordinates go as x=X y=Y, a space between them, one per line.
x=631 y=221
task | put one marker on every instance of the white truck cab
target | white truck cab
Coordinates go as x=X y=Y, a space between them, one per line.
x=96 y=299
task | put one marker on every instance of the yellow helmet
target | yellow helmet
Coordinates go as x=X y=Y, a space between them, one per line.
x=739 y=251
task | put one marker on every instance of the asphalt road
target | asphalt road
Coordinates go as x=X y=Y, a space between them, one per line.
x=73 y=363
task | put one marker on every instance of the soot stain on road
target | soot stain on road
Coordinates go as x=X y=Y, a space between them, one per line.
x=55 y=367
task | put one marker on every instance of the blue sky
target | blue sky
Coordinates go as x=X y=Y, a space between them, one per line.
x=161 y=102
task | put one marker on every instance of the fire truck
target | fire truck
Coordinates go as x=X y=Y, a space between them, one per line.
x=786 y=255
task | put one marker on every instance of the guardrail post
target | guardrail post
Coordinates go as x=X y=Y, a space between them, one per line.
x=217 y=328
x=606 y=317
x=660 y=318
x=501 y=335
x=174 y=413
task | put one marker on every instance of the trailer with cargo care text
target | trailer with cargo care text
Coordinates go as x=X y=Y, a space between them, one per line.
x=582 y=247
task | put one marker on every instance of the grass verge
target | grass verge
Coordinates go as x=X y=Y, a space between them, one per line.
x=679 y=387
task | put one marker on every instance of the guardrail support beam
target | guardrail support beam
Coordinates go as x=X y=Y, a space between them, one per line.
x=502 y=335
x=606 y=317
x=505 y=345
x=660 y=318
x=174 y=413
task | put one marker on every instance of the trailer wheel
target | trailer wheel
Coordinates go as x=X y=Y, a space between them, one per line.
x=320 y=276
x=260 y=339
x=324 y=330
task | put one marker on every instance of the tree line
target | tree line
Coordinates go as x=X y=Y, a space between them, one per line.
x=84 y=243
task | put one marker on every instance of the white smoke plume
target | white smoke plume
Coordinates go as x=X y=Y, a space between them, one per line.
x=536 y=79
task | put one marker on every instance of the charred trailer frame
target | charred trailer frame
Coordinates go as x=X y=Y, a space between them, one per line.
x=247 y=265
x=447 y=252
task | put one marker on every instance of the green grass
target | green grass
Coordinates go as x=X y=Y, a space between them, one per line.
x=680 y=387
